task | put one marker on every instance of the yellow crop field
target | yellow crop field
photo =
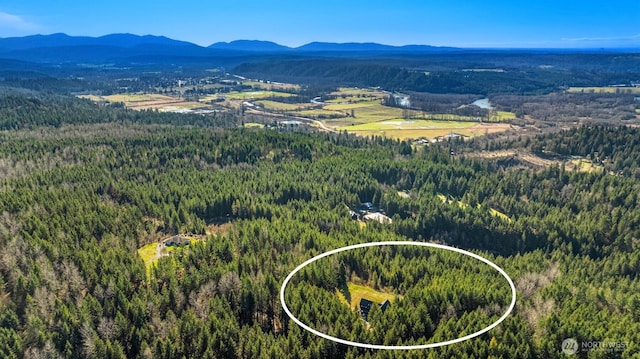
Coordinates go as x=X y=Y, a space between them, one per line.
x=605 y=89
x=414 y=129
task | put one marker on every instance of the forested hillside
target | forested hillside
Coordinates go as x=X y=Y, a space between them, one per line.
x=473 y=72
x=80 y=196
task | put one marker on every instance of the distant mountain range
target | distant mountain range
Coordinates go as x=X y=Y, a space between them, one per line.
x=64 y=48
x=128 y=49
x=268 y=46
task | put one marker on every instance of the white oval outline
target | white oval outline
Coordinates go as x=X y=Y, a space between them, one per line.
x=398 y=347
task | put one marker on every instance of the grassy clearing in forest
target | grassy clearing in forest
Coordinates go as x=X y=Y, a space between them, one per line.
x=148 y=252
x=357 y=292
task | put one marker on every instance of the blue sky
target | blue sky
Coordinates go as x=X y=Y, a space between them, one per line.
x=489 y=23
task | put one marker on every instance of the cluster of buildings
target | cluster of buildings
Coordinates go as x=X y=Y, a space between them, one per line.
x=368 y=212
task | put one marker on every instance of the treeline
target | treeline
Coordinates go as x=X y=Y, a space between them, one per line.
x=616 y=148
x=73 y=286
x=565 y=107
x=440 y=295
x=430 y=75
x=20 y=111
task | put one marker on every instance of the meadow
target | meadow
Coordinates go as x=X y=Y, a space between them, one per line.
x=281 y=106
x=357 y=292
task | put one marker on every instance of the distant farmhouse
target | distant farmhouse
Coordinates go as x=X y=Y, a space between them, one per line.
x=176 y=241
x=369 y=212
x=365 y=306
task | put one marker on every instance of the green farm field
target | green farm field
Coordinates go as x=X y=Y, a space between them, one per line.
x=317 y=113
x=358 y=92
x=502 y=116
x=275 y=105
x=349 y=106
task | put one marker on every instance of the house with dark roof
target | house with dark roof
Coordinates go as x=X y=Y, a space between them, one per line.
x=365 y=306
x=177 y=241
x=385 y=305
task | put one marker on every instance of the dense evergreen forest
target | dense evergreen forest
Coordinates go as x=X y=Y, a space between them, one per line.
x=84 y=186
x=480 y=73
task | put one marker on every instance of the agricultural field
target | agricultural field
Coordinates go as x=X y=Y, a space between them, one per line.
x=402 y=124
x=144 y=101
x=355 y=110
x=271 y=86
x=605 y=89
x=319 y=113
x=371 y=113
x=254 y=95
x=411 y=129
x=501 y=116
x=280 y=106
x=349 y=106
x=358 y=92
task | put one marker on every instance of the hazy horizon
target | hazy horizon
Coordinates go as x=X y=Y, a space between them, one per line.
x=490 y=24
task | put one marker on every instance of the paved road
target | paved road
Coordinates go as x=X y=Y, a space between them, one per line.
x=319 y=124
